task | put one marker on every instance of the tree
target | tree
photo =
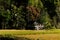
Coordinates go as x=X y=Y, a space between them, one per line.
x=51 y=7
x=20 y=14
x=4 y=13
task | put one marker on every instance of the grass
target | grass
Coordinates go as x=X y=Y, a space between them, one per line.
x=43 y=36
x=29 y=32
x=53 y=34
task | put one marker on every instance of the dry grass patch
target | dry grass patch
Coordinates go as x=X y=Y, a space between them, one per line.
x=53 y=34
x=29 y=32
x=42 y=36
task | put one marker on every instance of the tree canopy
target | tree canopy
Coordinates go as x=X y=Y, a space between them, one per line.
x=21 y=14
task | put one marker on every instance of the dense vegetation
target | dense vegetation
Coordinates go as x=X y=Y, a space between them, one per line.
x=21 y=14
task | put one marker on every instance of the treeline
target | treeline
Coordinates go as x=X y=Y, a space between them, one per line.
x=21 y=14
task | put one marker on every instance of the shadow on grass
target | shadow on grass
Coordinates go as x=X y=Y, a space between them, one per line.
x=13 y=38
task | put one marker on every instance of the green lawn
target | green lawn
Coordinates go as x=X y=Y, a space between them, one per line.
x=53 y=34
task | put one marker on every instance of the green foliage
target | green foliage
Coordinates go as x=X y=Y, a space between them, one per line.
x=18 y=18
x=14 y=13
x=45 y=19
x=4 y=13
x=36 y=3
